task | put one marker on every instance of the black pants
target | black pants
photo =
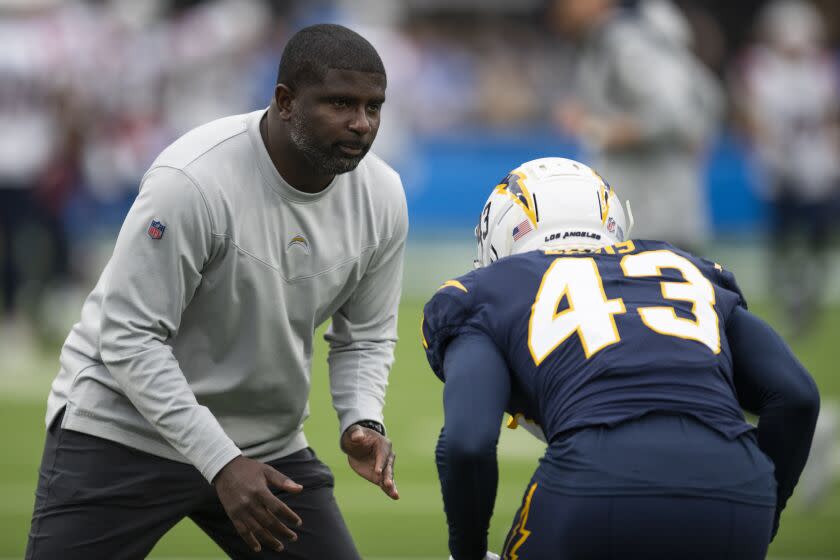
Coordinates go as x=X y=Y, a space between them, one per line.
x=100 y=499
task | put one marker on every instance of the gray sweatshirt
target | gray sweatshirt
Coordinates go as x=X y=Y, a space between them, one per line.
x=196 y=343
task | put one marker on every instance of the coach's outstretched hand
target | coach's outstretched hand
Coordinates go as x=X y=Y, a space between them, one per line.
x=243 y=488
x=370 y=454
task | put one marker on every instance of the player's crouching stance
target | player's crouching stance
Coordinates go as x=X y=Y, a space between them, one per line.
x=636 y=359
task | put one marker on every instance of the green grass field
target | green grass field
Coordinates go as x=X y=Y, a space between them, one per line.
x=414 y=526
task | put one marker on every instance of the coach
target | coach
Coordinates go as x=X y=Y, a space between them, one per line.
x=183 y=388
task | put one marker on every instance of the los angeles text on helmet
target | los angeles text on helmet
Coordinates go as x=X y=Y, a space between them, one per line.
x=567 y=234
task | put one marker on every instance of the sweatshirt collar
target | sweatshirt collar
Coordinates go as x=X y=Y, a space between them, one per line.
x=269 y=171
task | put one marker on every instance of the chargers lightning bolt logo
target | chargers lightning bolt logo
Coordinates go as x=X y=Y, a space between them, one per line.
x=299 y=241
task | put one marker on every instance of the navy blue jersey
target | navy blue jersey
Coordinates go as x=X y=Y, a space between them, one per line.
x=599 y=338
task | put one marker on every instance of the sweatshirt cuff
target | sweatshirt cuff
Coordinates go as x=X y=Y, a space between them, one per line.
x=211 y=467
x=350 y=417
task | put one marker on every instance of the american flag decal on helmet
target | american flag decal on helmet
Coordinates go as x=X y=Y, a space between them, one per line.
x=522 y=229
x=156 y=229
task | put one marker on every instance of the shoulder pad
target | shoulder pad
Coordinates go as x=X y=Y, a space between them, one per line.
x=444 y=316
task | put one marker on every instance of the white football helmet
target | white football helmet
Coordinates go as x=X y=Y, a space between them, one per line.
x=550 y=202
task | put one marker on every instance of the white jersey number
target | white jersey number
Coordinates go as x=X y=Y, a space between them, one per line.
x=696 y=289
x=591 y=315
x=589 y=312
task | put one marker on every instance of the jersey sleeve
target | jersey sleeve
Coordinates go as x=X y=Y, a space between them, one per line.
x=473 y=404
x=772 y=383
x=447 y=314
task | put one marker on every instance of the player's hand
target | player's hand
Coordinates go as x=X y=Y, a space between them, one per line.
x=488 y=556
x=259 y=516
x=371 y=456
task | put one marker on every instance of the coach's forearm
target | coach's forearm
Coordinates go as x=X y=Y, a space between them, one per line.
x=155 y=385
x=362 y=337
x=359 y=379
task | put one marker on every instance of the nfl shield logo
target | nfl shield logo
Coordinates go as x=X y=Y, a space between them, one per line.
x=156 y=229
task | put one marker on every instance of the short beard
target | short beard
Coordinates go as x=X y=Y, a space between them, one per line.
x=320 y=158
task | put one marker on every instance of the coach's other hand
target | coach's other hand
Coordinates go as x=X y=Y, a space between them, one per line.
x=243 y=488
x=371 y=456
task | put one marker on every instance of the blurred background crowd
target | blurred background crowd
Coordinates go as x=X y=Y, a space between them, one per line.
x=716 y=119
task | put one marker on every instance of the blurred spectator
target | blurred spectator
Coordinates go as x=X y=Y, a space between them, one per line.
x=787 y=90
x=124 y=124
x=213 y=49
x=35 y=124
x=709 y=42
x=445 y=96
x=646 y=108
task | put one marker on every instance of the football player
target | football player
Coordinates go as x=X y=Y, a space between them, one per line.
x=634 y=360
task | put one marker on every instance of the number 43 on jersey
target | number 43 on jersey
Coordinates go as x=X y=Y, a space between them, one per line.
x=592 y=316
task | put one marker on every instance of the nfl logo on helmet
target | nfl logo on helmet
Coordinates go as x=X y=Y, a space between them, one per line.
x=156 y=229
